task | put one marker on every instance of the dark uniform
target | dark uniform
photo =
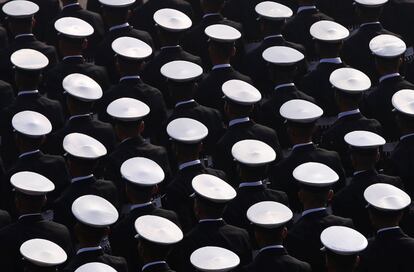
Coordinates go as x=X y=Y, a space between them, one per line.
x=4 y=219
x=48 y=9
x=297 y=28
x=276 y=259
x=400 y=25
x=158 y=267
x=333 y=137
x=96 y=255
x=223 y=158
x=26 y=228
x=256 y=67
x=195 y=40
x=6 y=95
x=122 y=235
x=215 y=233
x=316 y=84
x=73 y=64
x=377 y=104
x=342 y=11
x=136 y=88
x=152 y=74
x=350 y=202
x=282 y=178
x=356 y=52
x=402 y=162
x=389 y=250
x=4 y=38
x=304 y=241
x=235 y=213
x=87 y=186
x=179 y=193
x=269 y=112
x=209 y=91
x=104 y=55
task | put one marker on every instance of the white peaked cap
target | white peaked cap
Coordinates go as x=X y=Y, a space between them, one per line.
x=211 y=258
x=82 y=87
x=43 y=253
x=95 y=267
x=158 y=230
x=117 y=3
x=131 y=48
x=300 y=111
x=253 y=152
x=172 y=20
x=20 y=8
x=273 y=11
x=222 y=33
x=31 y=124
x=83 y=146
x=343 y=240
x=387 y=46
x=241 y=92
x=403 y=102
x=269 y=214
x=142 y=171
x=29 y=59
x=315 y=174
x=73 y=27
x=127 y=109
x=94 y=211
x=364 y=139
x=213 y=188
x=181 y=71
x=350 y=80
x=386 y=197
x=31 y=183
x=328 y=31
x=187 y=130
x=282 y=55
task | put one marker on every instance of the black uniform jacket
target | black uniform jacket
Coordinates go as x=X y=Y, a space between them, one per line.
x=118 y=263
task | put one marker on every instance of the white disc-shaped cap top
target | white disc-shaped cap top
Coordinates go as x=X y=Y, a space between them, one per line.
x=364 y=139
x=94 y=211
x=253 y=152
x=158 y=230
x=181 y=71
x=241 y=92
x=172 y=20
x=350 y=80
x=20 y=8
x=83 y=146
x=43 y=253
x=300 y=111
x=31 y=124
x=273 y=10
x=131 y=48
x=315 y=174
x=403 y=102
x=371 y=3
x=213 y=188
x=387 y=46
x=31 y=183
x=328 y=31
x=343 y=240
x=117 y=3
x=95 y=267
x=187 y=130
x=82 y=87
x=29 y=59
x=269 y=214
x=73 y=27
x=386 y=197
x=211 y=258
x=142 y=171
x=222 y=33
x=282 y=55
x=127 y=109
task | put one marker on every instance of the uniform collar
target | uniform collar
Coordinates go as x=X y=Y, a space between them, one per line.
x=273 y=36
x=210 y=220
x=153 y=263
x=29 y=153
x=24 y=35
x=300 y=145
x=387 y=229
x=384 y=77
x=71 y=5
x=221 y=66
x=129 y=77
x=88 y=249
x=406 y=136
x=72 y=56
x=211 y=14
x=27 y=92
x=137 y=206
x=29 y=215
x=271 y=247
x=284 y=85
x=188 y=164
x=331 y=60
x=369 y=23
x=306 y=212
x=251 y=184
x=303 y=8
x=184 y=102
x=170 y=47
x=347 y=113
x=115 y=27
x=359 y=172
x=238 y=121
x=79 y=116
x=73 y=180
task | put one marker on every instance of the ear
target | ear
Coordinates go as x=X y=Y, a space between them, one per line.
x=233 y=51
x=330 y=195
x=284 y=233
x=141 y=127
x=85 y=44
x=155 y=190
x=357 y=261
x=33 y=21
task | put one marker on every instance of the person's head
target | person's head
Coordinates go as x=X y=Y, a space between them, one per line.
x=221 y=43
x=76 y=106
x=26 y=204
x=27 y=80
x=20 y=17
x=115 y=15
x=282 y=74
x=388 y=51
x=125 y=130
x=404 y=115
x=367 y=13
x=272 y=17
x=171 y=25
x=220 y=52
x=71 y=46
x=346 y=101
x=72 y=34
x=233 y=110
x=386 y=66
x=282 y=62
x=314 y=197
x=28 y=66
x=405 y=123
x=205 y=209
x=328 y=38
x=212 y=6
x=40 y=255
x=88 y=236
x=300 y=133
x=328 y=50
x=25 y=143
